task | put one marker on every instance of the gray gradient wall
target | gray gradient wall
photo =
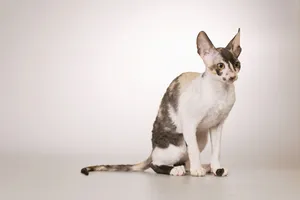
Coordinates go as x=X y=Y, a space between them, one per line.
x=86 y=77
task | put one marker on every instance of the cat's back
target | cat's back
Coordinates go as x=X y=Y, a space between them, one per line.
x=187 y=77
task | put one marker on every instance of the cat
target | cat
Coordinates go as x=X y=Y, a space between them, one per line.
x=194 y=106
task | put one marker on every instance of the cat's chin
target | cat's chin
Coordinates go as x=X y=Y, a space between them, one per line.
x=227 y=82
x=230 y=82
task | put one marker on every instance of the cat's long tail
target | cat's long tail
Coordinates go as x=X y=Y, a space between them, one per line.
x=124 y=168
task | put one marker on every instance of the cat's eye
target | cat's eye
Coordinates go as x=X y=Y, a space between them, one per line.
x=220 y=66
x=237 y=65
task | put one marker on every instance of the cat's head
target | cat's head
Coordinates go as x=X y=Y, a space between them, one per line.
x=221 y=63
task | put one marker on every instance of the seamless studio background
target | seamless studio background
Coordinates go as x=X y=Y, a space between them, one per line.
x=81 y=81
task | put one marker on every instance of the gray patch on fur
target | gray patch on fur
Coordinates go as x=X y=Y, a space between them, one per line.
x=164 y=130
x=216 y=69
x=165 y=169
x=171 y=96
x=228 y=57
x=118 y=167
x=165 y=138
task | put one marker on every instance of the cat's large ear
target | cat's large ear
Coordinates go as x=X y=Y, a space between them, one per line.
x=234 y=44
x=204 y=45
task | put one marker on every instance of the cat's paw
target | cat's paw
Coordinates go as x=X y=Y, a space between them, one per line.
x=220 y=171
x=198 y=172
x=178 y=171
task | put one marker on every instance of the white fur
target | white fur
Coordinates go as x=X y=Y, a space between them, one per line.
x=168 y=156
x=198 y=172
x=205 y=104
x=215 y=137
x=178 y=171
x=175 y=119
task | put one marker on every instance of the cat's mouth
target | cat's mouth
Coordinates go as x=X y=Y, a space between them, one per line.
x=230 y=79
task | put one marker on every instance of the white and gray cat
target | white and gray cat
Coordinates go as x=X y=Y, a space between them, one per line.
x=193 y=106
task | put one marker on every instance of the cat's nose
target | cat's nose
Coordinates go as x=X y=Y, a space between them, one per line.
x=232 y=78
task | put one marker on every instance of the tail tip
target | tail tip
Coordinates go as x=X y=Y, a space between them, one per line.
x=85 y=171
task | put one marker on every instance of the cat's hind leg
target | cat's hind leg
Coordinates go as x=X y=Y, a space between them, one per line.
x=169 y=170
x=177 y=169
x=170 y=160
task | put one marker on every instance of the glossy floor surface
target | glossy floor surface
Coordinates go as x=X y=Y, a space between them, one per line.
x=58 y=178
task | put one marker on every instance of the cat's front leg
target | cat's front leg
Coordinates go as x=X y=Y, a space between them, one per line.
x=215 y=138
x=189 y=132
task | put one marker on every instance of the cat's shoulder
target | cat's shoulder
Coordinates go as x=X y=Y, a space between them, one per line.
x=185 y=78
x=182 y=81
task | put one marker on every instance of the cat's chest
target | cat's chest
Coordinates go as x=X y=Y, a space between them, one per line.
x=213 y=107
x=217 y=112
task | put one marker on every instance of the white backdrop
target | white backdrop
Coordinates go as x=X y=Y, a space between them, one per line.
x=86 y=77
